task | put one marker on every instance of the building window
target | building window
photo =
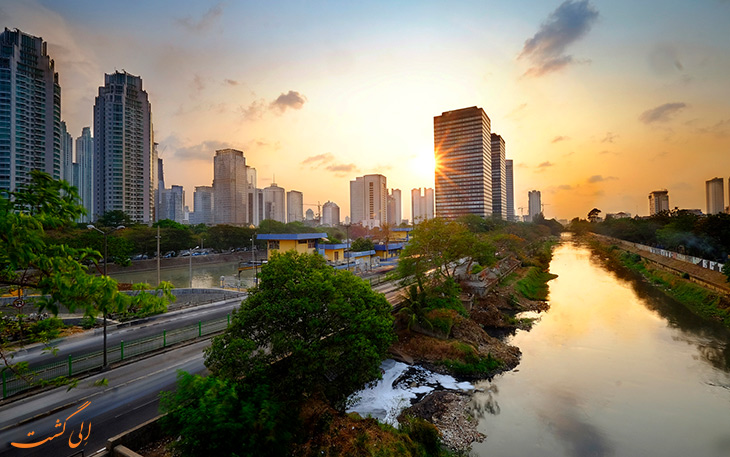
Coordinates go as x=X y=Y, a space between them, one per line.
x=311 y=244
x=273 y=244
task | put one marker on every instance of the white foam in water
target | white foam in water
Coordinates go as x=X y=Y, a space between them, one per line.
x=384 y=401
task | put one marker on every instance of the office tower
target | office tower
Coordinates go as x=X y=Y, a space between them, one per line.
x=534 y=204
x=124 y=159
x=462 y=144
x=715 y=196
x=421 y=205
x=658 y=202
x=294 y=206
x=499 y=177
x=172 y=204
x=509 y=179
x=234 y=196
x=84 y=172
x=369 y=200
x=203 y=206
x=30 y=110
x=274 y=201
x=309 y=215
x=394 y=207
x=330 y=214
x=67 y=155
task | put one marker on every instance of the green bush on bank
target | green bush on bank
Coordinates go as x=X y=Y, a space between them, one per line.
x=534 y=285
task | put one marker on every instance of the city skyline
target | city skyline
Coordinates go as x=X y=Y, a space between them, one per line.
x=600 y=102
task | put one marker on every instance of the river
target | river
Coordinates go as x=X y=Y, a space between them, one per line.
x=614 y=368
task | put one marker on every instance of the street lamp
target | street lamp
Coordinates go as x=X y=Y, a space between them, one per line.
x=104 y=365
x=190 y=253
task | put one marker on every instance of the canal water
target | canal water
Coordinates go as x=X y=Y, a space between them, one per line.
x=204 y=275
x=612 y=369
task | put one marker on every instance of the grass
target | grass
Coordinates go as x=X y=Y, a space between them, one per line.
x=534 y=285
x=471 y=363
x=701 y=301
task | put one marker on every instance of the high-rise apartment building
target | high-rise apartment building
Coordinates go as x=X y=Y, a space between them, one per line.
x=658 y=202
x=203 y=206
x=369 y=200
x=499 y=177
x=172 y=204
x=421 y=205
x=534 y=204
x=394 y=207
x=330 y=214
x=67 y=155
x=715 y=196
x=124 y=156
x=234 y=197
x=462 y=144
x=30 y=110
x=509 y=179
x=83 y=176
x=294 y=206
x=274 y=203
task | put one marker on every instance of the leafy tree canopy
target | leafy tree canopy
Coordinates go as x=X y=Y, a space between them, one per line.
x=362 y=244
x=306 y=329
x=114 y=218
x=169 y=223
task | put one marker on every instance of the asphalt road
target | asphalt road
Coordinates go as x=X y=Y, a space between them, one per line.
x=92 y=340
x=130 y=398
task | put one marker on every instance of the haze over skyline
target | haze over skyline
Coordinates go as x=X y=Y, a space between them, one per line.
x=599 y=102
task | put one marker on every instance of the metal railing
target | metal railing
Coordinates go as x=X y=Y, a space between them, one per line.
x=72 y=366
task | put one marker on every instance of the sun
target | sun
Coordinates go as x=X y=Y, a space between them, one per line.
x=424 y=165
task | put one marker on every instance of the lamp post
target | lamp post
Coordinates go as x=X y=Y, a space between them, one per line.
x=191 y=265
x=104 y=364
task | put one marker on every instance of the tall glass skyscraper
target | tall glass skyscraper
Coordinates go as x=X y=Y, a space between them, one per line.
x=510 y=180
x=124 y=158
x=462 y=144
x=84 y=171
x=30 y=110
x=499 y=175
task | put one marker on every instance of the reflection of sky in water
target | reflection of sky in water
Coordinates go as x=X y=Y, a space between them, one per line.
x=204 y=275
x=607 y=373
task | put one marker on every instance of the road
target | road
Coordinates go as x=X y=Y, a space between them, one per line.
x=130 y=398
x=92 y=340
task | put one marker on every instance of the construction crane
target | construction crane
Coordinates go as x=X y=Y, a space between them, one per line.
x=316 y=216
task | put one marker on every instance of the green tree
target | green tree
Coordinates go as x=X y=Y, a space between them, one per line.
x=362 y=244
x=115 y=218
x=57 y=272
x=306 y=329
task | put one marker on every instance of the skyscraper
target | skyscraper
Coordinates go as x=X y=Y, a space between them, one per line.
x=67 y=155
x=658 y=202
x=172 y=204
x=462 y=144
x=534 y=204
x=234 y=198
x=394 y=207
x=369 y=200
x=330 y=214
x=84 y=171
x=30 y=110
x=499 y=177
x=421 y=205
x=294 y=206
x=509 y=179
x=124 y=159
x=274 y=203
x=203 y=209
x=715 y=196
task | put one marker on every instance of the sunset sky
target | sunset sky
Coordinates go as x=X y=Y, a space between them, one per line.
x=599 y=102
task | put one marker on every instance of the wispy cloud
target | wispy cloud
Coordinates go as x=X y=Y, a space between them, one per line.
x=662 y=113
x=664 y=59
x=546 y=165
x=566 y=25
x=565 y=187
x=231 y=82
x=257 y=108
x=560 y=138
x=328 y=162
x=202 y=151
x=292 y=100
x=720 y=130
x=609 y=138
x=601 y=178
x=204 y=22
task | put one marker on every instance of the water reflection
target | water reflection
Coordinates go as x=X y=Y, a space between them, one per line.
x=613 y=368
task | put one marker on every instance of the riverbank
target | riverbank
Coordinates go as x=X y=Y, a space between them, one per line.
x=677 y=280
